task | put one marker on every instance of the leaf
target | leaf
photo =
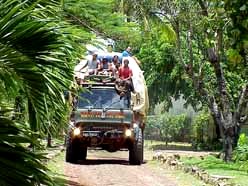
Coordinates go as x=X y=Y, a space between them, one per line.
x=242 y=8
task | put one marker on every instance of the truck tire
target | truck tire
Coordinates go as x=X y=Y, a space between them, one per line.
x=72 y=150
x=136 y=150
x=142 y=155
x=83 y=153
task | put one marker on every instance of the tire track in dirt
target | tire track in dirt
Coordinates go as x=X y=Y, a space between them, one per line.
x=108 y=169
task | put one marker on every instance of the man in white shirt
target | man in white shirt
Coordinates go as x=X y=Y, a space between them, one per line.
x=93 y=64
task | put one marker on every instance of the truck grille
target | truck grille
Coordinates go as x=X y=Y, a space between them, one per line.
x=102 y=127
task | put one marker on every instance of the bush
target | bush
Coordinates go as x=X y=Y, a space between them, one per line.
x=241 y=151
x=203 y=133
x=243 y=140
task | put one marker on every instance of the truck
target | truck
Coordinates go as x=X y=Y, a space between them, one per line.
x=104 y=119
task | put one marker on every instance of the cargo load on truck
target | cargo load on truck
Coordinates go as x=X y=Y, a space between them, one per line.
x=139 y=98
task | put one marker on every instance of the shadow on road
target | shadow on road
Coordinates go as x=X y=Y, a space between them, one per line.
x=72 y=183
x=105 y=161
x=65 y=181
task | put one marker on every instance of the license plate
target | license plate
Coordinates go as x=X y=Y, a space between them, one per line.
x=90 y=134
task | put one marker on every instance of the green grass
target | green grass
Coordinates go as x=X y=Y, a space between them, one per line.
x=181 y=177
x=55 y=142
x=216 y=166
x=57 y=170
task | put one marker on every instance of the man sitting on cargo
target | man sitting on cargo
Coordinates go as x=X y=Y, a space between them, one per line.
x=127 y=52
x=105 y=67
x=115 y=64
x=125 y=74
x=93 y=64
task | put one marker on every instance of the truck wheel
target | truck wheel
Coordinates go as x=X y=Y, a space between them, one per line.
x=142 y=155
x=136 y=150
x=83 y=153
x=72 y=152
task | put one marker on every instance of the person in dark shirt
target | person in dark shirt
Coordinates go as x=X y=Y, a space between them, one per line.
x=105 y=67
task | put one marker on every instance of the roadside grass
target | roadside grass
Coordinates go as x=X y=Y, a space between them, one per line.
x=55 y=142
x=181 y=177
x=161 y=145
x=216 y=166
x=56 y=166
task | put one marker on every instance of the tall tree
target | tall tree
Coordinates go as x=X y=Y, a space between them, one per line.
x=203 y=45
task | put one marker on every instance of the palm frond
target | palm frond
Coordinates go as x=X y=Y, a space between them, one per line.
x=18 y=164
x=34 y=56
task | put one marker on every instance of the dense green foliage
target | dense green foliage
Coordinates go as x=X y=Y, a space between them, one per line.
x=160 y=70
x=209 y=58
x=203 y=133
x=19 y=164
x=241 y=151
x=102 y=18
x=173 y=67
x=191 y=49
x=40 y=42
x=197 y=129
x=36 y=67
x=164 y=127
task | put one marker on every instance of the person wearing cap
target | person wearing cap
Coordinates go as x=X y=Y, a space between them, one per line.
x=93 y=64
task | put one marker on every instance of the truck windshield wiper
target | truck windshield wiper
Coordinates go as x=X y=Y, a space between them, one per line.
x=96 y=103
x=109 y=106
x=91 y=106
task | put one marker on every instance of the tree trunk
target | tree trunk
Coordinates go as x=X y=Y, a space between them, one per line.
x=219 y=130
x=49 y=140
x=19 y=109
x=228 y=144
x=32 y=121
x=166 y=142
x=225 y=116
x=240 y=115
x=176 y=27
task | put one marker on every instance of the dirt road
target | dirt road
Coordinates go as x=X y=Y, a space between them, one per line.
x=112 y=169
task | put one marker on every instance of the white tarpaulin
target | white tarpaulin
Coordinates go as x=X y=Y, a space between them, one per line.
x=140 y=98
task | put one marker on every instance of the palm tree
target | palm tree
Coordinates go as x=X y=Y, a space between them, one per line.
x=34 y=72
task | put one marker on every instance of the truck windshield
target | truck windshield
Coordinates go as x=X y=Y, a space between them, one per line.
x=101 y=98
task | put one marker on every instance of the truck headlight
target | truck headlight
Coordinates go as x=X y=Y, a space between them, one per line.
x=128 y=133
x=76 y=131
